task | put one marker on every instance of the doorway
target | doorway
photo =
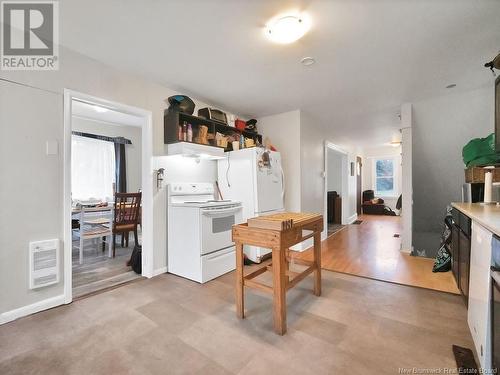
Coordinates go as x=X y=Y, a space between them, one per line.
x=371 y=246
x=336 y=189
x=359 y=173
x=107 y=150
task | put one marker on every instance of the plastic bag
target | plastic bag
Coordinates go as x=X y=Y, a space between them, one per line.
x=480 y=151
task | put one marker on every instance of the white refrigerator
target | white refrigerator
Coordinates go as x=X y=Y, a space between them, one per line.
x=253 y=176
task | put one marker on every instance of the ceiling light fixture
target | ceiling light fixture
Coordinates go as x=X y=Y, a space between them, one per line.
x=287 y=29
x=453 y=85
x=307 y=61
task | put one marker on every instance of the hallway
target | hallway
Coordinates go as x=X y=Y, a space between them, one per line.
x=371 y=250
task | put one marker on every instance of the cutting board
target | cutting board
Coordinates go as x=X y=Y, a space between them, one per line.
x=281 y=221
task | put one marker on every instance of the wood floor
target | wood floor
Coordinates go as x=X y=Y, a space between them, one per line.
x=371 y=250
x=170 y=325
x=334 y=228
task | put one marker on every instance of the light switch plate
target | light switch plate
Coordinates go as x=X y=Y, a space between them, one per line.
x=52 y=148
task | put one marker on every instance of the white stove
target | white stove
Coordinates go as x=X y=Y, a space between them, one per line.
x=209 y=203
x=200 y=247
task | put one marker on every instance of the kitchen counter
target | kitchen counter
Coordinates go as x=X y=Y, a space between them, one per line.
x=471 y=248
x=486 y=215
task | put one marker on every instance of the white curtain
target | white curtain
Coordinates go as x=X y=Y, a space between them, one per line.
x=92 y=168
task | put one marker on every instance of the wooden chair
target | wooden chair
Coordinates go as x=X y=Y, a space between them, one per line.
x=94 y=223
x=127 y=210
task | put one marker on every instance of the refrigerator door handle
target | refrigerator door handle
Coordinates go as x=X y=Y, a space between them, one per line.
x=282 y=186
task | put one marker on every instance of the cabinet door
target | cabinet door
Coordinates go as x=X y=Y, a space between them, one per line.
x=463 y=265
x=478 y=315
x=455 y=233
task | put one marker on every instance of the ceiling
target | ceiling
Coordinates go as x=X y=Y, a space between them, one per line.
x=371 y=56
x=90 y=112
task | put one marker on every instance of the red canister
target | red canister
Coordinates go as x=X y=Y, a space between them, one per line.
x=240 y=124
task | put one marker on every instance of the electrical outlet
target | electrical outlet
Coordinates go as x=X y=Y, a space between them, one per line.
x=52 y=148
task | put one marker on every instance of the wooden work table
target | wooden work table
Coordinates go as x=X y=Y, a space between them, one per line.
x=279 y=241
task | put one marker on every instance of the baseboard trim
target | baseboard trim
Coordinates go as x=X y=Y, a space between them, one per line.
x=159 y=271
x=45 y=304
x=352 y=219
x=407 y=251
x=303 y=246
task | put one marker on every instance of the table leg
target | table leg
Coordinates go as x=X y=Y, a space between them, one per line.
x=109 y=239
x=287 y=268
x=240 y=298
x=317 y=263
x=279 y=290
x=80 y=260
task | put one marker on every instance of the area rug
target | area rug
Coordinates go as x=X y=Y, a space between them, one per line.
x=466 y=364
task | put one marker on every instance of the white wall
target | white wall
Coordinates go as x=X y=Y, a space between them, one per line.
x=177 y=169
x=78 y=73
x=133 y=152
x=367 y=181
x=30 y=188
x=441 y=127
x=301 y=141
x=283 y=130
x=312 y=162
x=334 y=172
x=312 y=147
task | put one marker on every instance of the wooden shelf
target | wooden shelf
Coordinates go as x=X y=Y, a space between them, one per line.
x=172 y=119
x=476 y=174
x=194 y=143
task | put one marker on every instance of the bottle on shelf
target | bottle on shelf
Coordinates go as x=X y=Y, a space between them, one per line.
x=180 y=137
x=189 y=133
x=184 y=131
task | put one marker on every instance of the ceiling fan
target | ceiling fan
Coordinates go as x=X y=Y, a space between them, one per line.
x=495 y=63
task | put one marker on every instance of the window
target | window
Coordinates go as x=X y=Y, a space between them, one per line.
x=384 y=177
x=92 y=168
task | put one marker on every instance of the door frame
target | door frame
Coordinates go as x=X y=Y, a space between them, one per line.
x=147 y=182
x=406 y=191
x=359 y=184
x=407 y=178
x=345 y=185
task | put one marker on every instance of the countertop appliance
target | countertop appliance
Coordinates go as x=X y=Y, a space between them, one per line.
x=213 y=114
x=474 y=192
x=255 y=177
x=200 y=246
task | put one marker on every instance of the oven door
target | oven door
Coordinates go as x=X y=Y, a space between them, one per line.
x=216 y=226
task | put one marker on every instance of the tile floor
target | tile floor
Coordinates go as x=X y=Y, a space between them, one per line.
x=169 y=325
